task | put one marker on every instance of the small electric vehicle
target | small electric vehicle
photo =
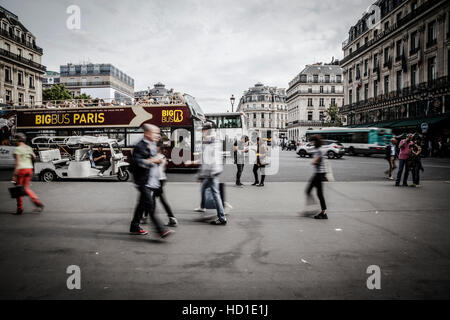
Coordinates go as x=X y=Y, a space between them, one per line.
x=77 y=160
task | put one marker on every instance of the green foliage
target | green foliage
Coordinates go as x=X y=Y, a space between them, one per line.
x=83 y=96
x=56 y=92
x=333 y=116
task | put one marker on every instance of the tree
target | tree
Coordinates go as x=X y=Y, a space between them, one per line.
x=333 y=116
x=83 y=96
x=56 y=92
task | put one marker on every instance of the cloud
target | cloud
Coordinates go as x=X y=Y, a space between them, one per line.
x=209 y=49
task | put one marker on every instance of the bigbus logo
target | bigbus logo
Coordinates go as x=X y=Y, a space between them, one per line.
x=171 y=115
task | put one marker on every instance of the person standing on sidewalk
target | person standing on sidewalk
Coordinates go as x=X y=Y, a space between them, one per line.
x=416 y=163
x=210 y=169
x=319 y=176
x=260 y=162
x=240 y=149
x=403 y=156
x=23 y=172
x=391 y=154
x=144 y=167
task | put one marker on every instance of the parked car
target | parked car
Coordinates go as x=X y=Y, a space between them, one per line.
x=332 y=148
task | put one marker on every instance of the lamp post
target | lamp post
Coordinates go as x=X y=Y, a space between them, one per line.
x=232 y=99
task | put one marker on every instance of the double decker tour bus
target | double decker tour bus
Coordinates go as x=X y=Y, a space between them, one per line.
x=365 y=141
x=229 y=126
x=180 y=120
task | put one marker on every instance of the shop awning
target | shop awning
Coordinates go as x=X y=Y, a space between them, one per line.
x=417 y=122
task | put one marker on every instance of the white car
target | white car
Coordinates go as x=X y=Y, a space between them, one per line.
x=333 y=149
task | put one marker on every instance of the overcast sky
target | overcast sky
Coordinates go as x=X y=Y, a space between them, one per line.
x=207 y=48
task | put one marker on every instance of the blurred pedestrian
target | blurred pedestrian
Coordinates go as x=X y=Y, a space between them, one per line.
x=390 y=156
x=240 y=149
x=260 y=162
x=144 y=167
x=210 y=169
x=415 y=162
x=403 y=156
x=158 y=190
x=23 y=172
x=319 y=176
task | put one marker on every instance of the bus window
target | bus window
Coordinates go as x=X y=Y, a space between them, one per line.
x=360 y=137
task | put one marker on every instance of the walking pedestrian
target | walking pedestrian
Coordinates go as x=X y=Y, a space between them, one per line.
x=210 y=169
x=23 y=172
x=260 y=162
x=319 y=176
x=158 y=190
x=240 y=149
x=403 y=156
x=415 y=162
x=390 y=156
x=145 y=166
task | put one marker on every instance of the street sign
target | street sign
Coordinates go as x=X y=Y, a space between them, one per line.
x=424 y=127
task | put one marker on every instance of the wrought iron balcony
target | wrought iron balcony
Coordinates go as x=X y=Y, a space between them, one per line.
x=22 y=41
x=20 y=59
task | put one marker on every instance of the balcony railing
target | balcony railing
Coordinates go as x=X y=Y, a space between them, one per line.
x=422 y=89
x=21 y=59
x=27 y=44
x=400 y=23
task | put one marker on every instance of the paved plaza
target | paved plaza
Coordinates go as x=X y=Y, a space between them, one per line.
x=266 y=251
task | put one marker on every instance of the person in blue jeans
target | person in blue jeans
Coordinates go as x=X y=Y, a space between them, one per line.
x=210 y=169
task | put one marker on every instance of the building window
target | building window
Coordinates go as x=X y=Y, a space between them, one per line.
x=310 y=115
x=310 y=102
x=333 y=89
x=386 y=26
x=414 y=5
x=432 y=36
x=432 y=69
x=398 y=50
x=414 y=46
x=19 y=52
x=310 y=90
x=8 y=75
x=399 y=80
x=375 y=88
x=321 y=116
x=375 y=61
x=30 y=56
x=20 y=78
x=366 y=67
x=414 y=75
x=20 y=98
x=321 y=89
x=7 y=47
x=350 y=75
x=32 y=100
x=333 y=101
x=366 y=91
x=386 y=84
x=338 y=78
x=387 y=56
x=357 y=94
x=321 y=102
x=327 y=78
x=316 y=78
x=350 y=97
x=31 y=82
x=8 y=96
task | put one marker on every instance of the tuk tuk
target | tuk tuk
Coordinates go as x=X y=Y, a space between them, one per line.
x=72 y=157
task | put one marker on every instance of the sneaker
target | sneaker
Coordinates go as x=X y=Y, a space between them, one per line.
x=199 y=209
x=255 y=183
x=227 y=205
x=100 y=174
x=166 y=233
x=321 y=216
x=219 y=222
x=39 y=208
x=391 y=178
x=260 y=185
x=172 y=222
x=140 y=232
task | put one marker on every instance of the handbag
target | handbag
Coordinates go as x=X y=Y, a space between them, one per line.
x=17 y=191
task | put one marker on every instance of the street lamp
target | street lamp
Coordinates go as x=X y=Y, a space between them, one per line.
x=232 y=99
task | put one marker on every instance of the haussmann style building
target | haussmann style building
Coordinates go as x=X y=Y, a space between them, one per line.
x=21 y=70
x=316 y=88
x=265 y=110
x=396 y=70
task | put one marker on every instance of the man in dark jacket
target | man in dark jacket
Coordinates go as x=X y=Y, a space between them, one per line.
x=145 y=161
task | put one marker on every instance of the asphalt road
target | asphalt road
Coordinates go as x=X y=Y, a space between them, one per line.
x=292 y=168
x=266 y=251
